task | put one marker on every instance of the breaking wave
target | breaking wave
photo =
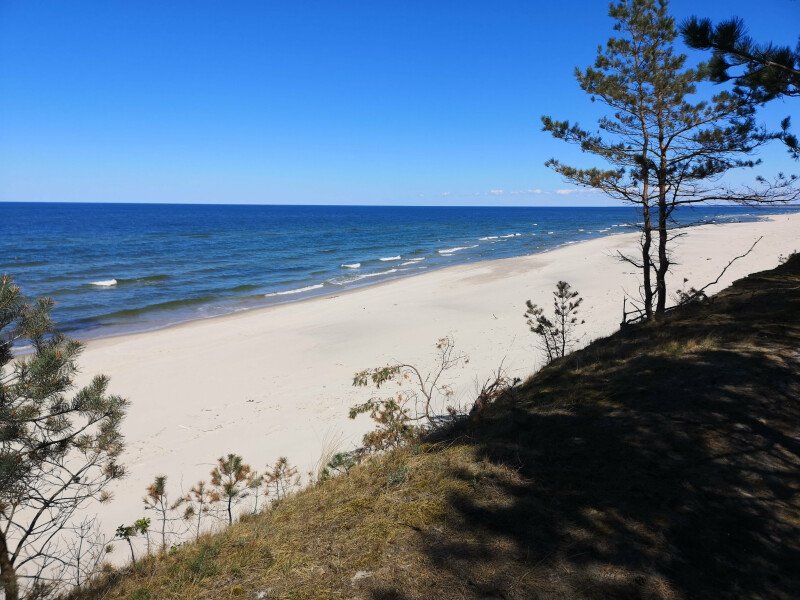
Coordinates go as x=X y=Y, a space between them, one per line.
x=147 y=279
x=307 y=288
x=448 y=251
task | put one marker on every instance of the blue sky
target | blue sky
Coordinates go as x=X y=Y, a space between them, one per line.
x=327 y=102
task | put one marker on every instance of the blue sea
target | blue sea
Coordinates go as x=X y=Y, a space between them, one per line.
x=116 y=268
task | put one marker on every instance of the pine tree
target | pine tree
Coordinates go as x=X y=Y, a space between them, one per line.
x=281 y=479
x=199 y=501
x=230 y=478
x=158 y=501
x=662 y=149
x=557 y=334
x=58 y=449
x=767 y=71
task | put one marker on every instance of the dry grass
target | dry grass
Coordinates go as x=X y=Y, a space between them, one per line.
x=661 y=462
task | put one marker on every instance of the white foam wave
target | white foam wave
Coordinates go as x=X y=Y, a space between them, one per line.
x=351 y=266
x=488 y=237
x=448 y=251
x=510 y=235
x=550 y=233
x=368 y=275
x=390 y=258
x=105 y=283
x=353 y=278
x=308 y=288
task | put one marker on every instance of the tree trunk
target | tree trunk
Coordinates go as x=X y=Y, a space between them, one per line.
x=163 y=528
x=7 y=574
x=663 y=260
x=133 y=556
x=647 y=240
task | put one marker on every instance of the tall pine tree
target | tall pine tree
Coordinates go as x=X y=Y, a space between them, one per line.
x=661 y=147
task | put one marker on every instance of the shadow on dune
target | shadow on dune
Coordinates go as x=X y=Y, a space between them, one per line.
x=660 y=463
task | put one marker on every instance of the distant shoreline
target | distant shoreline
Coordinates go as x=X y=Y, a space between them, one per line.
x=311 y=297
x=141 y=269
x=159 y=275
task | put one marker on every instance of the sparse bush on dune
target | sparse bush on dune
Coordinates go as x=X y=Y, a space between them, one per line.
x=281 y=479
x=339 y=464
x=157 y=500
x=420 y=400
x=557 y=334
x=230 y=479
x=200 y=502
x=140 y=527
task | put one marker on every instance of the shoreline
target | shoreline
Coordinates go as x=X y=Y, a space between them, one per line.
x=245 y=312
x=144 y=302
x=388 y=281
x=276 y=380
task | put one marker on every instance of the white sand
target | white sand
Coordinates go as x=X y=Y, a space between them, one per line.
x=276 y=381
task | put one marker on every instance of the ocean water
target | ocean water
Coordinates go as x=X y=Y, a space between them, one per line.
x=115 y=268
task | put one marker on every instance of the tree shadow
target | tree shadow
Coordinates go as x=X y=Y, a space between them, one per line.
x=662 y=462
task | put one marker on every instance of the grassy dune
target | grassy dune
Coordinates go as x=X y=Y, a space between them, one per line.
x=661 y=462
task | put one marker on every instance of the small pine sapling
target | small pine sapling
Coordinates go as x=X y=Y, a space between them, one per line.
x=557 y=334
x=128 y=532
x=339 y=464
x=281 y=479
x=254 y=483
x=229 y=478
x=690 y=296
x=199 y=502
x=157 y=501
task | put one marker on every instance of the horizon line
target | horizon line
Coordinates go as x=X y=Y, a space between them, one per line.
x=105 y=203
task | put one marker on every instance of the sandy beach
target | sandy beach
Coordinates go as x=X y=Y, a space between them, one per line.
x=277 y=381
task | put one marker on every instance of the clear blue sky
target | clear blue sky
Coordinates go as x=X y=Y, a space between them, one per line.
x=326 y=102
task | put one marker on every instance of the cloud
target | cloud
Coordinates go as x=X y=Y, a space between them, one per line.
x=523 y=192
x=569 y=192
x=527 y=192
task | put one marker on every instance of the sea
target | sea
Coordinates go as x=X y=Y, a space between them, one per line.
x=122 y=268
